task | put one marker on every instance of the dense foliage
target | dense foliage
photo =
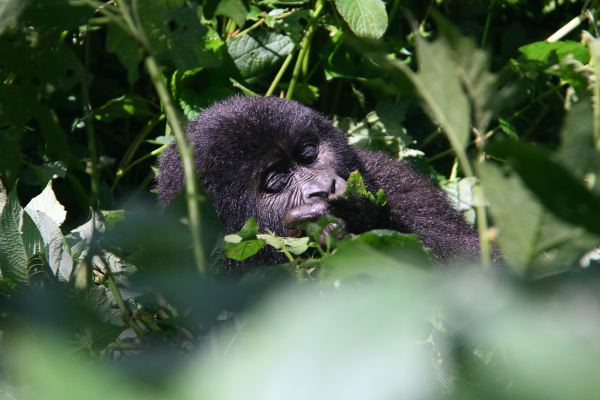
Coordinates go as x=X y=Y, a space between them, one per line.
x=102 y=295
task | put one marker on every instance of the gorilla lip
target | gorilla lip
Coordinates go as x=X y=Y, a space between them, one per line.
x=304 y=213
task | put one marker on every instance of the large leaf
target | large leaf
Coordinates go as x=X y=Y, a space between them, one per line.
x=47 y=203
x=367 y=18
x=257 y=53
x=309 y=344
x=13 y=258
x=175 y=33
x=10 y=10
x=126 y=50
x=239 y=249
x=543 y=51
x=578 y=150
x=555 y=187
x=234 y=9
x=59 y=260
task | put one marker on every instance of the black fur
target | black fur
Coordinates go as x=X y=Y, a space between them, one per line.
x=236 y=139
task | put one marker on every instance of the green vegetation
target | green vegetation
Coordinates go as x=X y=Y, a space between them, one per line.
x=103 y=296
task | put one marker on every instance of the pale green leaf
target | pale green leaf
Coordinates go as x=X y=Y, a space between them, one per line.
x=294 y=245
x=366 y=18
x=47 y=203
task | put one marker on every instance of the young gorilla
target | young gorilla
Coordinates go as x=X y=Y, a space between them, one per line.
x=284 y=163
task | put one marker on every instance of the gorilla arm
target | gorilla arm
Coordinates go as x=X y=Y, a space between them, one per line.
x=416 y=205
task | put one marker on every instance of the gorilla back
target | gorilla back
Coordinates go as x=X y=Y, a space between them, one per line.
x=284 y=163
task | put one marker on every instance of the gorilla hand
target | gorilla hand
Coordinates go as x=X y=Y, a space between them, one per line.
x=298 y=216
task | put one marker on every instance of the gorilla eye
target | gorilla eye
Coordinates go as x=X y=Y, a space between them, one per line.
x=308 y=153
x=275 y=181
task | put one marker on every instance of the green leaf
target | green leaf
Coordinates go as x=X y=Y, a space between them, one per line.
x=192 y=102
x=508 y=129
x=533 y=241
x=10 y=11
x=594 y=49
x=126 y=50
x=32 y=238
x=366 y=18
x=356 y=187
x=234 y=9
x=554 y=186
x=473 y=70
x=249 y=230
x=578 y=151
x=54 y=135
x=176 y=35
x=123 y=107
x=439 y=86
x=294 y=245
x=242 y=249
x=543 y=51
x=257 y=53
x=54 y=244
x=13 y=257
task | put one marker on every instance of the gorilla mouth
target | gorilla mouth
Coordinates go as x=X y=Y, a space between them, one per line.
x=297 y=216
x=303 y=213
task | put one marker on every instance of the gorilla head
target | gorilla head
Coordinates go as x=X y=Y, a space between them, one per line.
x=263 y=157
x=284 y=163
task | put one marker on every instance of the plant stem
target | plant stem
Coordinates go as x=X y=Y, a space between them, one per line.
x=566 y=29
x=280 y=73
x=304 y=46
x=187 y=160
x=486 y=28
x=121 y=304
x=185 y=150
x=126 y=164
x=89 y=127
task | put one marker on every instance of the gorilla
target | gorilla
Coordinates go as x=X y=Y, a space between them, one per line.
x=284 y=163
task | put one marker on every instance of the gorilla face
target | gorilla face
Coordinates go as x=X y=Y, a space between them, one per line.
x=273 y=159
x=300 y=181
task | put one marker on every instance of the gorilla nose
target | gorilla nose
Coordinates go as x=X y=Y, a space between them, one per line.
x=324 y=187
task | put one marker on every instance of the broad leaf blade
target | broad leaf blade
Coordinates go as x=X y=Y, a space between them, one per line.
x=439 y=85
x=554 y=186
x=47 y=203
x=366 y=18
x=243 y=249
x=13 y=258
x=257 y=53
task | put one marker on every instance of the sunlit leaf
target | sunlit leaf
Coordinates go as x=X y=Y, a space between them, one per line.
x=542 y=51
x=294 y=245
x=47 y=203
x=239 y=250
x=367 y=18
